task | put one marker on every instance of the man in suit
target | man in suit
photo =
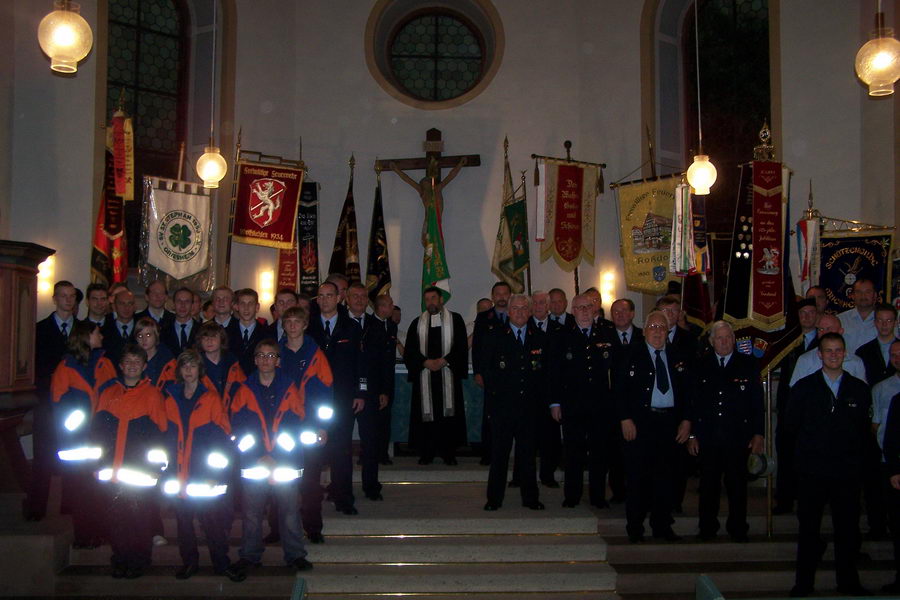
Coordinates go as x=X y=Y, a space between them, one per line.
x=119 y=331
x=875 y=353
x=51 y=336
x=626 y=333
x=374 y=348
x=728 y=424
x=652 y=391
x=829 y=414
x=182 y=331
x=98 y=304
x=558 y=305
x=785 y=477
x=284 y=299
x=580 y=359
x=549 y=444
x=515 y=373
x=340 y=338
x=246 y=331
x=485 y=323
x=223 y=305
x=384 y=308
x=886 y=416
x=157 y=295
x=859 y=322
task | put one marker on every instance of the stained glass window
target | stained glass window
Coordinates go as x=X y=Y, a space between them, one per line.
x=437 y=55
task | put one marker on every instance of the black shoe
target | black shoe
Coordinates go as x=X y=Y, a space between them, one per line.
x=635 y=538
x=426 y=461
x=450 y=461
x=348 y=510
x=315 y=538
x=234 y=574
x=375 y=496
x=491 y=506
x=514 y=483
x=272 y=538
x=740 y=538
x=853 y=590
x=133 y=572
x=617 y=499
x=385 y=461
x=706 y=536
x=550 y=483
x=186 y=572
x=536 y=505
x=569 y=503
x=301 y=564
x=601 y=504
x=484 y=462
x=782 y=509
x=118 y=572
x=669 y=536
x=800 y=591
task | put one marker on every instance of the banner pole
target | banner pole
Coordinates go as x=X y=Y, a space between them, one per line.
x=234 y=180
x=769 y=447
x=577 y=286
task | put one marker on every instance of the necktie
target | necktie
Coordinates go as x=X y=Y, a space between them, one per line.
x=327 y=330
x=662 y=377
x=624 y=339
x=246 y=337
x=125 y=331
x=519 y=337
x=183 y=336
x=722 y=361
x=358 y=320
x=64 y=327
x=540 y=325
x=585 y=332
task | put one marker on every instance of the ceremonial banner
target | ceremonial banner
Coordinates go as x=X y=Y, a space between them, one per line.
x=681 y=250
x=109 y=258
x=435 y=271
x=850 y=255
x=265 y=210
x=345 y=254
x=378 y=267
x=645 y=220
x=288 y=270
x=177 y=219
x=570 y=193
x=120 y=137
x=511 y=255
x=308 y=237
x=736 y=305
x=895 y=283
x=808 y=248
x=769 y=202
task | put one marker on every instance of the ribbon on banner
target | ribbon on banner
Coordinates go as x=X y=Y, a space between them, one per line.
x=266 y=205
x=570 y=194
x=769 y=200
x=122 y=144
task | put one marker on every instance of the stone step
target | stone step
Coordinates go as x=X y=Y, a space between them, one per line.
x=349 y=579
x=739 y=576
x=760 y=549
x=405 y=549
x=612 y=524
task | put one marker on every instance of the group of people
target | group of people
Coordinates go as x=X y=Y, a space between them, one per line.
x=237 y=414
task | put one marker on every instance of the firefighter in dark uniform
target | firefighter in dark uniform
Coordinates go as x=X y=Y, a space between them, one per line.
x=728 y=424
x=652 y=392
x=580 y=360
x=514 y=368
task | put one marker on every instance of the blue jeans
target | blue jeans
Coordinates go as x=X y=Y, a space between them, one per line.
x=255 y=494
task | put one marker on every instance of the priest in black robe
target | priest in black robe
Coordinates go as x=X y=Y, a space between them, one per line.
x=437 y=424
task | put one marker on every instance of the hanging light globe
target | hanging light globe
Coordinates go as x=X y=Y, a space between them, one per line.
x=878 y=62
x=65 y=37
x=701 y=175
x=211 y=167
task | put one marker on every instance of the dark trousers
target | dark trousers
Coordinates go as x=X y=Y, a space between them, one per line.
x=486 y=430
x=785 y=476
x=892 y=500
x=586 y=448
x=650 y=461
x=505 y=430
x=685 y=467
x=383 y=431
x=717 y=461
x=615 y=459
x=340 y=444
x=45 y=461
x=841 y=493
x=439 y=438
x=130 y=525
x=311 y=492
x=85 y=495
x=549 y=445
x=873 y=487
x=209 y=512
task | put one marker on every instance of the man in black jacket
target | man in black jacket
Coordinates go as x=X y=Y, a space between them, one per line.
x=515 y=373
x=829 y=414
x=875 y=354
x=384 y=308
x=156 y=295
x=728 y=424
x=180 y=333
x=246 y=330
x=119 y=331
x=652 y=392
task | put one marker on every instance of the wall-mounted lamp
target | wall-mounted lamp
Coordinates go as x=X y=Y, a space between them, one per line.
x=266 y=285
x=46 y=271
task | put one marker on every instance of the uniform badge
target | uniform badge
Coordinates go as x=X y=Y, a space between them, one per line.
x=502 y=365
x=742 y=387
x=606 y=354
x=568 y=356
x=631 y=373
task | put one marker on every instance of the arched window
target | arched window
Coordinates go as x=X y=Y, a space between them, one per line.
x=147 y=67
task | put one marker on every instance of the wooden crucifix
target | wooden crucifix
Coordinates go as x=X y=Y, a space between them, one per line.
x=432 y=164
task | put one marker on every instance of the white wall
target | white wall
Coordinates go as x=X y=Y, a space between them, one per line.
x=304 y=74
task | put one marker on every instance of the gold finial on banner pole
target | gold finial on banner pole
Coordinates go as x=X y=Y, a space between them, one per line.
x=352 y=163
x=505 y=147
x=377 y=170
x=568 y=146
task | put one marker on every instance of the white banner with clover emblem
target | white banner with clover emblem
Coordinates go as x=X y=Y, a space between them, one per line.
x=178 y=224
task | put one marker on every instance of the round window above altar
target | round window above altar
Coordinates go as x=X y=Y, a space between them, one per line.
x=434 y=55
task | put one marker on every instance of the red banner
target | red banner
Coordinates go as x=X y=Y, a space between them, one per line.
x=265 y=210
x=288 y=275
x=767 y=302
x=567 y=232
x=109 y=259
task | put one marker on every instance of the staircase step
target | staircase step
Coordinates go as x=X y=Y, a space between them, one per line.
x=405 y=549
x=350 y=579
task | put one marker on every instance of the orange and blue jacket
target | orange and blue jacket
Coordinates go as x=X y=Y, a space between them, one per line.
x=73 y=388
